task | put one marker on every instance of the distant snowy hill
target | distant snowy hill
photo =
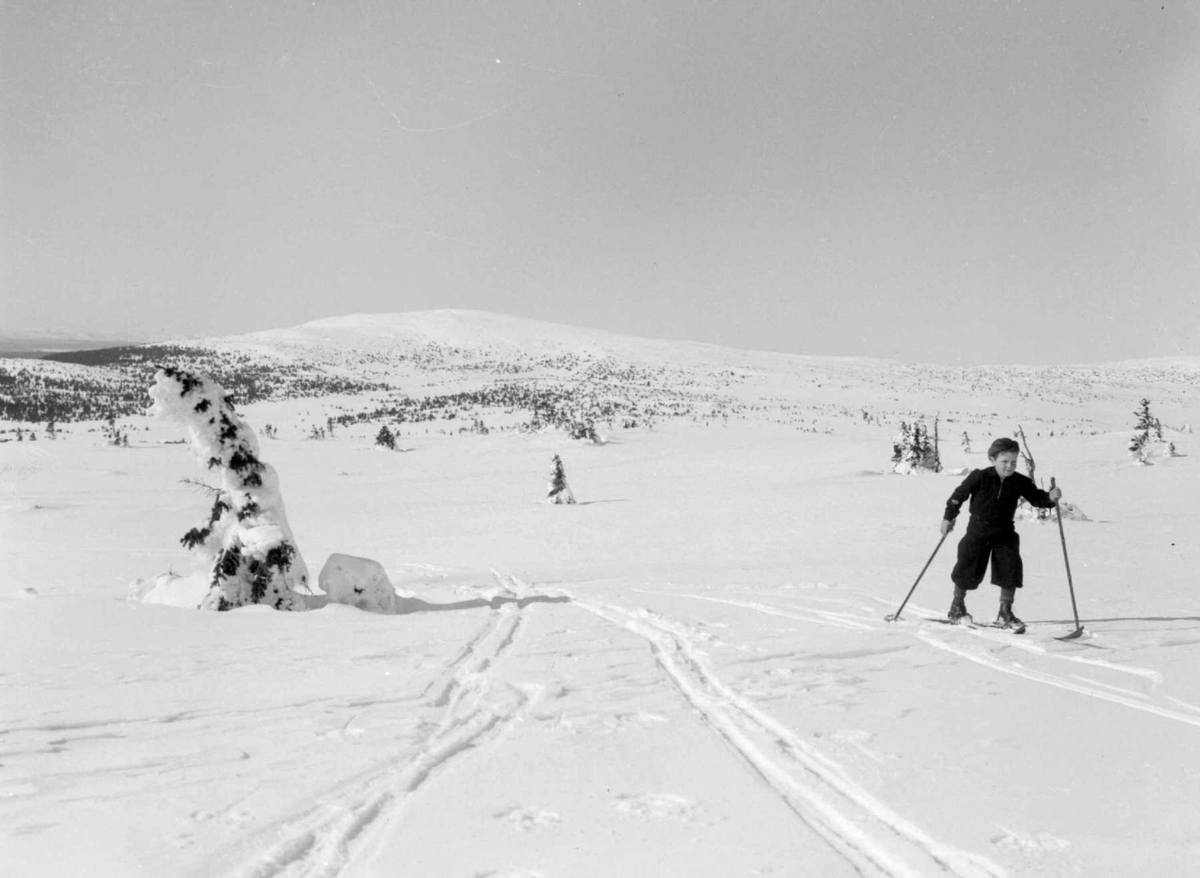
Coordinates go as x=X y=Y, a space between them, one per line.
x=39 y=344
x=471 y=336
x=454 y=364
x=451 y=329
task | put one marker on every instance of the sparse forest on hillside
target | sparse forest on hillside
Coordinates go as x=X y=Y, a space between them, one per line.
x=476 y=385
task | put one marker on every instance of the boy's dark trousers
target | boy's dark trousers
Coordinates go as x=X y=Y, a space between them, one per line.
x=1000 y=544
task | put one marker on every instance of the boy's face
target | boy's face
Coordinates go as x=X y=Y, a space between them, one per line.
x=1006 y=463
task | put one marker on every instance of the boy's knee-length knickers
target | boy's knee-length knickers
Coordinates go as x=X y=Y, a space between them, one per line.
x=979 y=545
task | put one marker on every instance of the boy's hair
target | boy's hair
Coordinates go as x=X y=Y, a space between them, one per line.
x=1002 y=445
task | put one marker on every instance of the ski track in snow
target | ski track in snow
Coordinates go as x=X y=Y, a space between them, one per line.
x=818 y=617
x=1016 y=643
x=1080 y=685
x=322 y=841
x=1074 y=683
x=864 y=830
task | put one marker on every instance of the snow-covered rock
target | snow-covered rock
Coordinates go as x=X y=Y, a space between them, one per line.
x=358 y=582
x=1069 y=511
x=909 y=468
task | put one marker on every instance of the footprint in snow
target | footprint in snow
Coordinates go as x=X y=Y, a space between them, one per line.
x=527 y=819
x=657 y=805
x=13 y=790
x=859 y=739
x=606 y=724
x=642 y=719
x=233 y=815
x=1012 y=841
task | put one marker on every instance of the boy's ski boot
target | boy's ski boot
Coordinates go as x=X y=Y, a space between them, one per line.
x=1006 y=619
x=958 y=614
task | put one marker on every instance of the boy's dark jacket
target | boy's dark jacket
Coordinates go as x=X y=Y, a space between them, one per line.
x=993 y=499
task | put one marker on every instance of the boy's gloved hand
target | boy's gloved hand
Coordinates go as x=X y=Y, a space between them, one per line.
x=1055 y=494
x=947 y=526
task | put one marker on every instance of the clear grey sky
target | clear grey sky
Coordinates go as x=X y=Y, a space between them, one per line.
x=957 y=181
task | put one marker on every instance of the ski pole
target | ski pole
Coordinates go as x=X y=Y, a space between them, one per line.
x=1078 y=632
x=892 y=617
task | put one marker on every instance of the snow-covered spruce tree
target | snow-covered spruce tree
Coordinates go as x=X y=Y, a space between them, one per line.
x=385 y=438
x=918 y=452
x=559 y=492
x=1147 y=426
x=246 y=536
x=900 y=443
x=913 y=451
x=583 y=429
x=932 y=459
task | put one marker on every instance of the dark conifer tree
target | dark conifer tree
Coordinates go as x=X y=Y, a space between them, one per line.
x=1147 y=426
x=385 y=438
x=559 y=492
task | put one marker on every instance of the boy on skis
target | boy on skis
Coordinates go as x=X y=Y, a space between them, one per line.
x=990 y=535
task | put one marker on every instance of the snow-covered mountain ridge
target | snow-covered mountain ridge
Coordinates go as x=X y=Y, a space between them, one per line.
x=373 y=362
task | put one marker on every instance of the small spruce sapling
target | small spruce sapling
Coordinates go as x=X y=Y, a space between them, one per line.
x=559 y=492
x=900 y=443
x=246 y=537
x=1147 y=426
x=933 y=455
x=1040 y=514
x=914 y=450
x=918 y=450
x=385 y=438
x=583 y=429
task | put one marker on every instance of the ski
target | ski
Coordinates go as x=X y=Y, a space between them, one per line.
x=961 y=622
x=1011 y=629
x=968 y=622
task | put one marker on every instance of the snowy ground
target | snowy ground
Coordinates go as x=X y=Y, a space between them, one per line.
x=687 y=674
